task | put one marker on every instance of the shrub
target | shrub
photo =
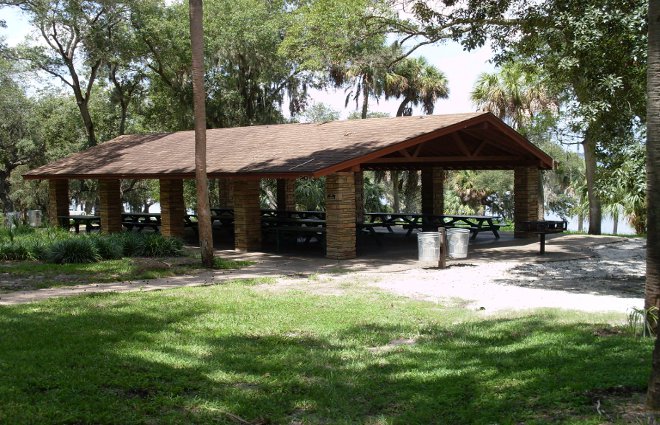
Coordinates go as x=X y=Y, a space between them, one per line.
x=15 y=251
x=109 y=247
x=157 y=245
x=132 y=244
x=73 y=250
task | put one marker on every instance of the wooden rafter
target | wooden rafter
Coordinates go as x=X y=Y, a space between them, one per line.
x=427 y=159
x=461 y=144
x=479 y=148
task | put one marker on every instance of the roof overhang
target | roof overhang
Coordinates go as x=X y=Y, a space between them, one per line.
x=460 y=141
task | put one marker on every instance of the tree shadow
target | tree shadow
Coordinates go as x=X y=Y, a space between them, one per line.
x=106 y=361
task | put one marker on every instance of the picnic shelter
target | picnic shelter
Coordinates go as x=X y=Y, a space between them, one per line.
x=339 y=150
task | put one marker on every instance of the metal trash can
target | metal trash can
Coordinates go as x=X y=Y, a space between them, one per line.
x=34 y=218
x=428 y=247
x=457 y=241
x=12 y=219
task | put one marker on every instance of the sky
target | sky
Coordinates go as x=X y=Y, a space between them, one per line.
x=461 y=68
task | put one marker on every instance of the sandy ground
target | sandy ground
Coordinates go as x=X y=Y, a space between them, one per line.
x=578 y=272
x=610 y=279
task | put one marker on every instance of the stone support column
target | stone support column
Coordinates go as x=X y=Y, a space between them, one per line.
x=247 y=215
x=286 y=194
x=340 y=215
x=58 y=201
x=226 y=193
x=110 y=205
x=359 y=196
x=525 y=198
x=433 y=191
x=172 y=207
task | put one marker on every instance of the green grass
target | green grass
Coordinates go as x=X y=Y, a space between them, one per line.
x=26 y=275
x=203 y=355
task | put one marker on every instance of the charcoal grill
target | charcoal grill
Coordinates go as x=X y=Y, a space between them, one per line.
x=542 y=228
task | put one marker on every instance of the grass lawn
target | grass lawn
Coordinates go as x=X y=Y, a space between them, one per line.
x=235 y=354
x=27 y=275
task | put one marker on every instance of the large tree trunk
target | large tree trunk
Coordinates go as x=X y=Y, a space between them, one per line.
x=595 y=214
x=580 y=223
x=396 y=200
x=199 y=99
x=653 y=191
x=365 y=96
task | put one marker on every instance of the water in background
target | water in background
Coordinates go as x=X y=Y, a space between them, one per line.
x=607 y=225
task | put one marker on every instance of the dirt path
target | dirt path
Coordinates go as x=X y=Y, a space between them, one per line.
x=580 y=272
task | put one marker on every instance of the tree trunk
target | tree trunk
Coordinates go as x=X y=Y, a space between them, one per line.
x=615 y=222
x=199 y=99
x=365 y=96
x=595 y=214
x=83 y=107
x=653 y=191
x=396 y=201
x=402 y=107
x=580 y=223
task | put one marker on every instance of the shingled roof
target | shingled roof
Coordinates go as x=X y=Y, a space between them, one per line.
x=457 y=141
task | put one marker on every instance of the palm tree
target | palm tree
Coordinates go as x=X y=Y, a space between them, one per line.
x=416 y=81
x=653 y=190
x=515 y=94
x=364 y=76
x=199 y=99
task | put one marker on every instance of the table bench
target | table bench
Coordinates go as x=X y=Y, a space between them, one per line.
x=308 y=232
x=91 y=222
x=140 y=221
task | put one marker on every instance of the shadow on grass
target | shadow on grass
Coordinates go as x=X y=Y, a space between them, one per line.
x=159 y=358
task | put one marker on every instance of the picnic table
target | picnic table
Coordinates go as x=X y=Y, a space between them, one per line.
x=411 y=221
x=284 y=228
x=91 y=222
x=141 y=220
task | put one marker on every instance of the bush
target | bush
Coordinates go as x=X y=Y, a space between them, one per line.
x=73 y=250
x=157 y=245
x=132 y=244
x=109 y=247
x=15 y=251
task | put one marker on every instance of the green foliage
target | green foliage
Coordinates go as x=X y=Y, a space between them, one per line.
x=641 y=321
x=222 y=352
x=320 y=112
x=310 y=194
x=220 y=263
x=136 y=244
x=414 y=81
x=73 y=250
x=109 y=247
x=623 y=184
x=516 y=94
x=132 y=244
x=15 y=251
x=157 y=245
x=374 y=193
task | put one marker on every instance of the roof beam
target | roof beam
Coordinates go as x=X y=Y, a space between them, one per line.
x=477 y=151
x=461 y=144
x=438 y=159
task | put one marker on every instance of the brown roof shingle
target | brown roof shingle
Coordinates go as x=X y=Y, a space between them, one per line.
x=292 y=149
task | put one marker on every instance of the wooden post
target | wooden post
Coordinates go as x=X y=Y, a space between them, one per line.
x=442 y=259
